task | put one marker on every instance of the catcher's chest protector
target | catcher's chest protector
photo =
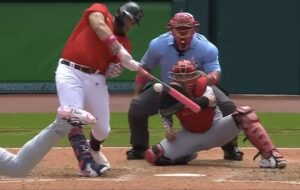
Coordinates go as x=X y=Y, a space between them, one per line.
x=197 y=122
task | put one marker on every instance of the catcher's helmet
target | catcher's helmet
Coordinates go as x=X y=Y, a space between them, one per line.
x=183 y=27
x=131 y=10
x=184 y=70
x=186 y=73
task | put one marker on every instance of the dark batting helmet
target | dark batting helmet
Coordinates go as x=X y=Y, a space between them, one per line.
x=183 y=27
x=131 y=10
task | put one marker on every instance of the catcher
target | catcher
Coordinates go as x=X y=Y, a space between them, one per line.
x=208 y=128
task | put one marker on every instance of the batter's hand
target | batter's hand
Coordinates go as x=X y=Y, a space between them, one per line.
x=170 y=134
x=113 y=70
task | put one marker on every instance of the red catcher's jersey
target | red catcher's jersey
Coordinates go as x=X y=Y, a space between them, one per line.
x=197 y=122
x=85 y=48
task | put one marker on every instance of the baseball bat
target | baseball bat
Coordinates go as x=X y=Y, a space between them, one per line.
x=173 y=92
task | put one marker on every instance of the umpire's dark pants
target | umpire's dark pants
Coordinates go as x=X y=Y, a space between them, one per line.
x=147 y=104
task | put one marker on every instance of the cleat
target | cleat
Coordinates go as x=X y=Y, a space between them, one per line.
x=133 y=154
x=276 y=160
x=76 y=116
x=100 y=158
x=93 y=170
x=233 y=154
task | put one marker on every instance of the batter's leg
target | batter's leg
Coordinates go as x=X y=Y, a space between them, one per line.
x=99 y=106
x=33 y=151
x=227 y=107
x=145 y=105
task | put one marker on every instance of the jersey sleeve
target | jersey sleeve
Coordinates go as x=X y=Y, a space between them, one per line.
x=211 y=60
x=151 y=58
x=97 y=7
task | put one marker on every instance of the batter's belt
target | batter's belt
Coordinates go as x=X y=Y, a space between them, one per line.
x=84 y=69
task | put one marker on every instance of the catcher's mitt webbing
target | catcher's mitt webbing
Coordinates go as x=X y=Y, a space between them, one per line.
x=168 y=104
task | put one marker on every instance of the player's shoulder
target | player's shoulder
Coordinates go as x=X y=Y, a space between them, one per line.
x=97 y=7
x=200 y=37
x=200 y=41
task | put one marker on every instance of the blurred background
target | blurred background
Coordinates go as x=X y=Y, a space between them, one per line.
x=258 y=41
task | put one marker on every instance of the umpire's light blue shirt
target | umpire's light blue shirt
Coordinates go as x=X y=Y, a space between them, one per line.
x=161 y=52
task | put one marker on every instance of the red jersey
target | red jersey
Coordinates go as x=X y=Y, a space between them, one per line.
x=85 y=48
x=197 y=122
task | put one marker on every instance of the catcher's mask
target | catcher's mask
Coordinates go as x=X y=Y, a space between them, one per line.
x=129 y=10
x=185 y=72
x=183 y=27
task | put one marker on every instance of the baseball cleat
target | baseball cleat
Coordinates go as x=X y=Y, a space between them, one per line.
x=276 y=160
x=76 y=116
x=233 y=154
x=100 y=158
x=93 y=170
x=133 y=154
x=272 y=162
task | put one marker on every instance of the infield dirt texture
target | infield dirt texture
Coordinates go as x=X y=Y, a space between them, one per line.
x=58 y=169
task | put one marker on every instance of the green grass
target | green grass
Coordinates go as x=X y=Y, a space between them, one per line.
x=16 y=129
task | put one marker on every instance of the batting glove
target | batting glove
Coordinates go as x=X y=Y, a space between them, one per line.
x=113 y=70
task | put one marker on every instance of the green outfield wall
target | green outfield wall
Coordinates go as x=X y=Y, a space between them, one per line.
x=33 y=34
x=259 y=41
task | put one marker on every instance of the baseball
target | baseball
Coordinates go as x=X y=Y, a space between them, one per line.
x=158 y=87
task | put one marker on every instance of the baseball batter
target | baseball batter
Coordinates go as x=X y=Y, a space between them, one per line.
x=20 y=164
x=181 y=42
x=208 y=128
x=98 y=45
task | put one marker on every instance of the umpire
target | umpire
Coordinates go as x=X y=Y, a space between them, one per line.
x=180 y=42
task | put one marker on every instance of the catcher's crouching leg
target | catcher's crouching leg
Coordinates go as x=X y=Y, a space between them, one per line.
x=248 y=121
x=155 y=156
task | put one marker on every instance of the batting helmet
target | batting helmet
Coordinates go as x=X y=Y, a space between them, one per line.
x=183 y=27
x=131 y=10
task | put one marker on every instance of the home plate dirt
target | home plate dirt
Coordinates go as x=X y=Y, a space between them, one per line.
x=58 y=170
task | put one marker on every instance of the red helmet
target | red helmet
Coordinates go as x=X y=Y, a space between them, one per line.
x=183 y=27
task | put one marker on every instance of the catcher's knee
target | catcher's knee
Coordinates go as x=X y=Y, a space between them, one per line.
x=227 y=108
x=245 y=117
x=155 y=156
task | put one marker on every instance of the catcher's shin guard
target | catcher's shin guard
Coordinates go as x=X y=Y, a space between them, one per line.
x=249 y=122
x=155 y=156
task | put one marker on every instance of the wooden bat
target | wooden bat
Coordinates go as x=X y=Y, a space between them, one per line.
x=173 y=92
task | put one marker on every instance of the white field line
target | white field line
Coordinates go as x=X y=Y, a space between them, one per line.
x=256 y=181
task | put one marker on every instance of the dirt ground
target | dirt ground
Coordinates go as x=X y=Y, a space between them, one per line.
x=208 y=172
x=58 y=171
